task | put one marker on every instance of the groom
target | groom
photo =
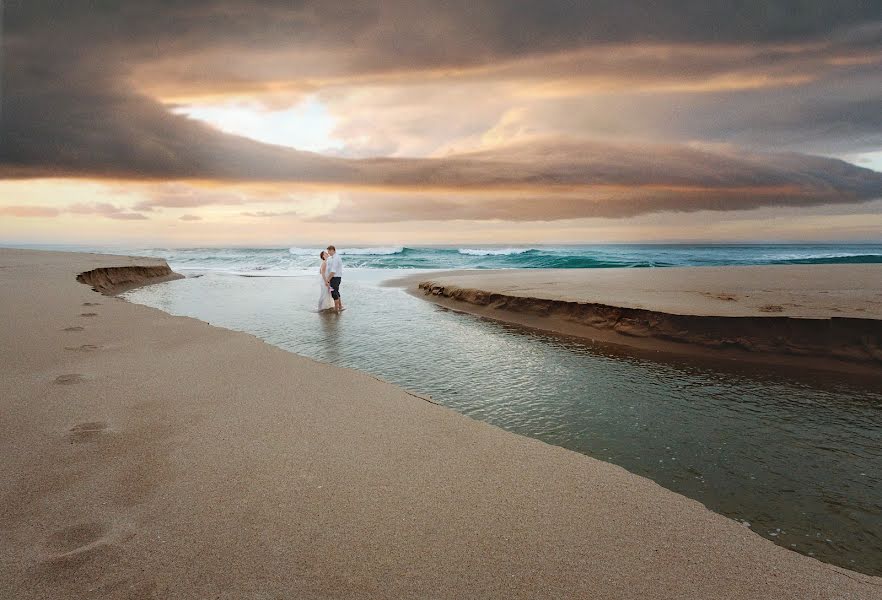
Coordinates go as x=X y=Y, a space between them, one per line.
x=335 y=271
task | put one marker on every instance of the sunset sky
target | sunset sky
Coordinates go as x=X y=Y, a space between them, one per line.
x=266 y=122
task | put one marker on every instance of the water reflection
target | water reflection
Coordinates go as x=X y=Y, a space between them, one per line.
x=797 y=455
x=330 y=338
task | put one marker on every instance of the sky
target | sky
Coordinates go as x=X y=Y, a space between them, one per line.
x=246 y=122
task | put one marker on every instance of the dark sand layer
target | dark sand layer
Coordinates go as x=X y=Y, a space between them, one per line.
x=113 y=280
x=827 y=316
x=151 y=456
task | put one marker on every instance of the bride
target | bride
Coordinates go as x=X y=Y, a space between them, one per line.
x=325 y=301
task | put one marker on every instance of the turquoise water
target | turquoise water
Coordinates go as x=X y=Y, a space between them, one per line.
x=297 y=260
x=796 y=456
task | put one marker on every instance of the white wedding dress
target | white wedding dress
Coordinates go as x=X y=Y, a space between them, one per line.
x=325 y=301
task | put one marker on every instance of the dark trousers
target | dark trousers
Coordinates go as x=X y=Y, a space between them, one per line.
x=335 y=288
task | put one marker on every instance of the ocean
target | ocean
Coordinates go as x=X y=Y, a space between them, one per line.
x=299 y=260
x=793 y=454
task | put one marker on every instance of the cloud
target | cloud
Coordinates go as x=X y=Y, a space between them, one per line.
x=105 y=210
x=176 y=195
x=128 y=217
x=29 y=211
x=190 y=218
x=587 y=203
x=95 y=208
x=270 y=213
x=545 y=179
x=716 y=72
x=553 y=163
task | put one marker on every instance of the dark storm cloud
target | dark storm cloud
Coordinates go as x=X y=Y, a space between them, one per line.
x=559 y=179
x=553 y=179
x=840 y=114
x=73 y=105
x=414 y=32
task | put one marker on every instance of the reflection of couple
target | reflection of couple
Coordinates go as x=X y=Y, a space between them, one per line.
x=330 y=271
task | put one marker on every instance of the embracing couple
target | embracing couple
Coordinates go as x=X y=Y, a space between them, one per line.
x=331 y=271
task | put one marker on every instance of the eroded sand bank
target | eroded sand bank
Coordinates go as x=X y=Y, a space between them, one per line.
x=827 y=316
x=151 y=456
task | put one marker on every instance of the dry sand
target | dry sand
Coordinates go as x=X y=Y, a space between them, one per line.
x=801 y=291
x=151 y=456
x=824 y=316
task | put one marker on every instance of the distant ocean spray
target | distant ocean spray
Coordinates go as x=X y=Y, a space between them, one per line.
x=298 y=260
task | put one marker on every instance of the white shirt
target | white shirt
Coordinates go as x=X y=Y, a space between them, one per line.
x=335 y=266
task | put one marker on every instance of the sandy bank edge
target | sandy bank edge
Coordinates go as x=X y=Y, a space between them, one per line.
x=841 y=344
x=111 y=281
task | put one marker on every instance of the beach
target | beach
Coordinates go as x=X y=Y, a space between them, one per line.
x=147 y=455
x=821 y=316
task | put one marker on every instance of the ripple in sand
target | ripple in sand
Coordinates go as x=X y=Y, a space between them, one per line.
x=79 y=555
x=83 y=348
x=69 y=379
x=76 y=537
x=89 y=432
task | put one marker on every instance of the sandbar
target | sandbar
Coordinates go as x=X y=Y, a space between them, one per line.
x=821 y=316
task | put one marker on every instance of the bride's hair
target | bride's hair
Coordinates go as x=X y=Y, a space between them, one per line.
x=322 y=255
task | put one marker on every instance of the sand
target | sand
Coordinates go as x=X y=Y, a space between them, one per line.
x=824 y=316
x=151 y=456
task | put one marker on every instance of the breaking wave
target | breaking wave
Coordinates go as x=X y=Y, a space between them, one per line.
x=297 y=261
x=494 y=251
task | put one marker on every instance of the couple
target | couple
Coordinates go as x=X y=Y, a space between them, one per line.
x=330 y=271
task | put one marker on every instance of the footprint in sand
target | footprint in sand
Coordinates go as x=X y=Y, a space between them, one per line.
x=91 y=304
x=771 y=308
x=72 y=550
x=89 y=432
x=75 y=537
x=77 y=328
x=69 y=379
x=720 y=296
x=83 y=348
x=88 y=314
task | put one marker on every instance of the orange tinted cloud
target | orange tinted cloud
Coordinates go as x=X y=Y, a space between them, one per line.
x=29 y=211
x=98 y=208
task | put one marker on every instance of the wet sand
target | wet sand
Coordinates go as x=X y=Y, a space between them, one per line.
x=822 y=316
x=152 y=456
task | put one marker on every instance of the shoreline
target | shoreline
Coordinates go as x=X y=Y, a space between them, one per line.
x=158 y=455
x=709 y=319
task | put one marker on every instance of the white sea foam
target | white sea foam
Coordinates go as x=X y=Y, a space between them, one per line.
x=372 y=251
x=493 y=251
x=380 y=251
x=816 y=256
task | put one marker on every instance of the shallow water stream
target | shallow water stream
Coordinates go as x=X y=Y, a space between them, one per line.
x=797 y=457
